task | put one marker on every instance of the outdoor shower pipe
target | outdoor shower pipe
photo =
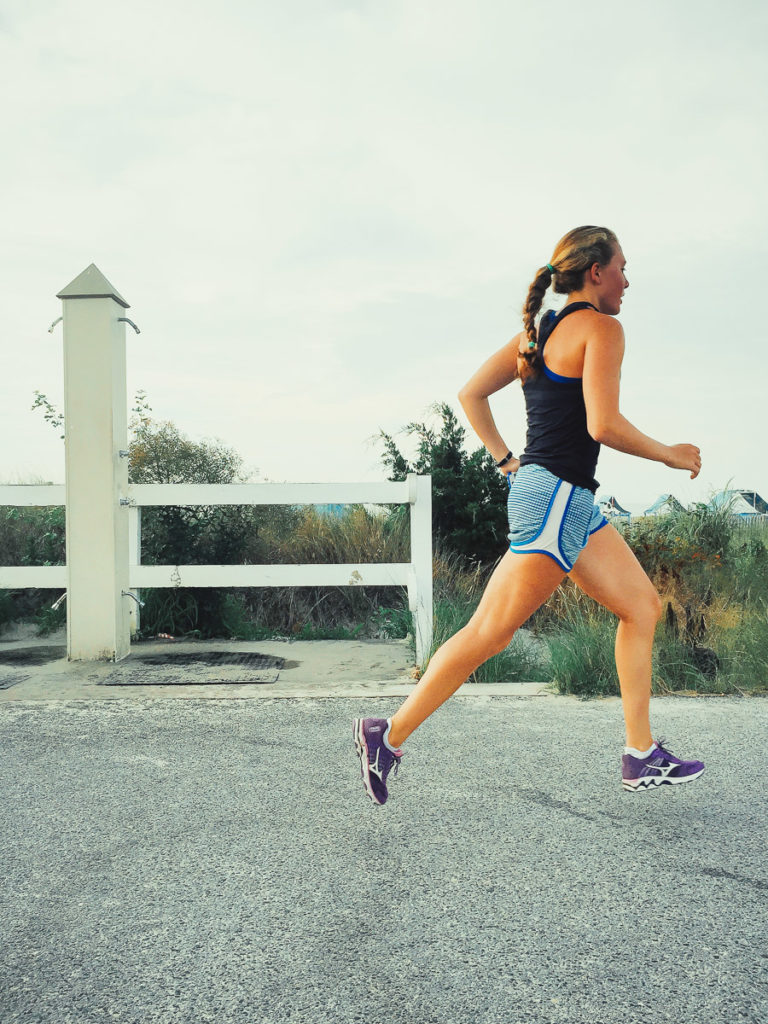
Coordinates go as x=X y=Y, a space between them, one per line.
x=125 y=593
x=123 y=319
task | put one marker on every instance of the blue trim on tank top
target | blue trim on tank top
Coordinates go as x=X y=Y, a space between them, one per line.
x=551 y=315
x=556 y=376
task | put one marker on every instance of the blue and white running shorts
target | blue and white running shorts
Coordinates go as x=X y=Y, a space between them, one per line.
x=549 y=516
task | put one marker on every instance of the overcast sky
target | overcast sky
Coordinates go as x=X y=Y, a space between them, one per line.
x=325 y=215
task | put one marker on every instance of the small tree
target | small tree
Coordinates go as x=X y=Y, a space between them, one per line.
x=159 y=453
x=469 y=493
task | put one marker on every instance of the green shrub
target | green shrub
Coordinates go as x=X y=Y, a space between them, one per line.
x=391 y=623
x=581 y=651
x=469 y=494
x=290 y=536
x=458 y=585
x=675 y=666
x=521 y=662
x=32 y=536
x=748 y=563
x=49 y=619
x=743 y=652
x=7 y=608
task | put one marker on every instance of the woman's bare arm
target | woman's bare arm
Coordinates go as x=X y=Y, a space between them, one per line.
x=603 y=355
x=493 y=375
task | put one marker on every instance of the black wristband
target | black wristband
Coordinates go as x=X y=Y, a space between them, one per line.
x=506 y=458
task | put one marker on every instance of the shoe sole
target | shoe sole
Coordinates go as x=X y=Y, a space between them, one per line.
x=647 y=782
x=362 y=752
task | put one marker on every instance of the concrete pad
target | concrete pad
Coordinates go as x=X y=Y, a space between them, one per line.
x=313 y=668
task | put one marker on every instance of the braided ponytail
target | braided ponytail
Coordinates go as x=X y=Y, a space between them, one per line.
x=574 y=254
x=531 y=358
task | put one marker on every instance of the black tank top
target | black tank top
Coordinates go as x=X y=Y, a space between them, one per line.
x=557 y=417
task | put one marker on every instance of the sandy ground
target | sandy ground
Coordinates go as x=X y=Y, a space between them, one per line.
x=36 y=668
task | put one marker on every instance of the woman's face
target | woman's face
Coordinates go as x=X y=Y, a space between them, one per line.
x=613 y=283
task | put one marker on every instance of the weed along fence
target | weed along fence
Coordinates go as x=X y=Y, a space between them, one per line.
x=103 y=568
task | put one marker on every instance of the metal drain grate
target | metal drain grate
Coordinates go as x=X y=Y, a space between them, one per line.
x=7 y=680
x=249 y=659
x=206 y=668
x=13 y=662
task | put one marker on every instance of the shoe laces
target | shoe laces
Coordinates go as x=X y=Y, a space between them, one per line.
x=661 y=748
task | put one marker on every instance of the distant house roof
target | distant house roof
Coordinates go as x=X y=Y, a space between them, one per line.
x=663 y=504
x=338 y=511
x=760 y=505
x=610 y=506
x=740 y=502
x=330 y=510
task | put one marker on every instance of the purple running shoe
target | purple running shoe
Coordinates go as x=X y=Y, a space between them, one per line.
x=658 y=769
x=376 y=759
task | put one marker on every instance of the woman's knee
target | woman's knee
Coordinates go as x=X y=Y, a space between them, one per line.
x=644 y=609
x=488 y=637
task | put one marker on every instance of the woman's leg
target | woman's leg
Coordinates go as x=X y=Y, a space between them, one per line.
x=608 y=571
x=519 y=585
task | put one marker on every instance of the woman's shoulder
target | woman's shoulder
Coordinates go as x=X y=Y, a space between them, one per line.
x=590 y=322
x=604 y=326
x=604 y=339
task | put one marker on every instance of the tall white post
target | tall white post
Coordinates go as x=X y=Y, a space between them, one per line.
x=96 y=429
x=420 y=584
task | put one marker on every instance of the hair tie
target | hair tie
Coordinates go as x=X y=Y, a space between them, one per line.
x=550 y=268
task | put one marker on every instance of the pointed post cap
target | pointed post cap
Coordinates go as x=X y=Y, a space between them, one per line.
x=92 y=284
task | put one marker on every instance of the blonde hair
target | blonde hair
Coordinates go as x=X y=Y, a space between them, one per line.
x=573 y=256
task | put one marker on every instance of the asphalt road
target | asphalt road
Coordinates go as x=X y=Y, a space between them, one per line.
x=218 y=861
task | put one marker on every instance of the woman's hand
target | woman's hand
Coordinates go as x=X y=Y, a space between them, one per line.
x=510 y=467
x=684 y=456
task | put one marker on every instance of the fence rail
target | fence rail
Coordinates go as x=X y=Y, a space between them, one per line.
x=273 y=494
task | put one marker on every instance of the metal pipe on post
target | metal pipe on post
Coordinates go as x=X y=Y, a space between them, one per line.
x=420 y=578
x=96 y=429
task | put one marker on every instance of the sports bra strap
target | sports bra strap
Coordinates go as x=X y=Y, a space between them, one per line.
x=573 y=306
x=550 y=320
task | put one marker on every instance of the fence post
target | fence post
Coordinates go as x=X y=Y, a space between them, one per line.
x=420 y=577
x=134 y=558
x=96 y=429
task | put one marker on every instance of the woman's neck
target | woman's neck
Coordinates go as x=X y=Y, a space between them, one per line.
x=585 y=295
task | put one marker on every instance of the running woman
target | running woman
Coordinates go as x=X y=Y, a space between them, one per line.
x=569 y=369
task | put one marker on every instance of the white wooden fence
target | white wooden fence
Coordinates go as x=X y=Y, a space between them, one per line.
x=415 y=575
